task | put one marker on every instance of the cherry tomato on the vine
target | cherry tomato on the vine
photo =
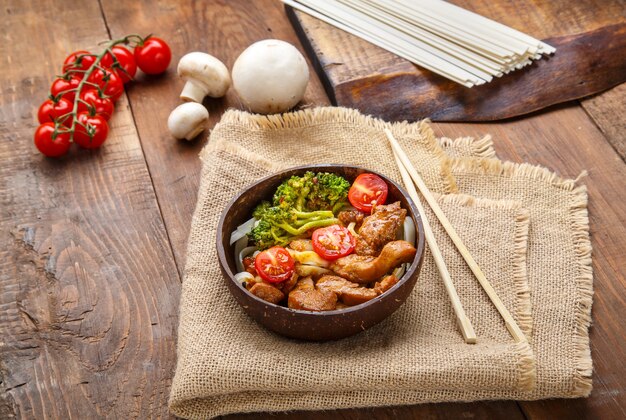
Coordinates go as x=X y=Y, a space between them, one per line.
x=50 y=144
x=153 y=56
x=101 y=106
x=64 y=88
x=274 y=265
x=91 y=132
x=53 y=110
x=109 y=82
x=126 y=67
x=367 y=190
x=78 y=60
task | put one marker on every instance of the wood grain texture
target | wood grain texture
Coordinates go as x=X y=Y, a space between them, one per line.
x=591 y=61
x=579 y=69
x=607 y=111
x=221 y=28
x=567 y=141
x=88 y=286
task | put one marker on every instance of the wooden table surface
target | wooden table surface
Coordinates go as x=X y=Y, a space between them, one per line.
x=92 y=246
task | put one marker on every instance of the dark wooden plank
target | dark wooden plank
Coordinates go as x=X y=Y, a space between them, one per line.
x=607 y=111
x=88 y=286
x=567 y=141
x=587 y=63
x=223 y=29
x=591 y=61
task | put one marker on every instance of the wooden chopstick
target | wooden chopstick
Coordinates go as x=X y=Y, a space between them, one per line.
x=462 y=320
x=510 y=323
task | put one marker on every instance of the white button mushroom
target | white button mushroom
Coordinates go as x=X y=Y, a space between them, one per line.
x=187 y=120
x=204 y=75
x=270 y=76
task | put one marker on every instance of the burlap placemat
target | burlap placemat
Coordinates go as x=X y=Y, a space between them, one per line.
x=468 y=147
x=227 y=363
x=559 y=269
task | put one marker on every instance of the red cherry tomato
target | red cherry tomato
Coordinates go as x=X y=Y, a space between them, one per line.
x=275 y=265
x=126 y=67
x=333 y=242
x=366 y=191
x=101 y=106
x=78 y=60
x=49 y=144
x=49 y=111
x=94 y=134
x=153 y=56
x=64 y=88
x=109 y=82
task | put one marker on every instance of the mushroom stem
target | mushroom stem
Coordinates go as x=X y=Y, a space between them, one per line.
x=194 y=132
x=192 y=92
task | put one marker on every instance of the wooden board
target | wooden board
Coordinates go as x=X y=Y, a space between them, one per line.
x=95 y=337
x=590 y=58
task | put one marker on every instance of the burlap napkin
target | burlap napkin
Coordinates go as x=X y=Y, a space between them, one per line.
x=559 y=269
x=227 y=363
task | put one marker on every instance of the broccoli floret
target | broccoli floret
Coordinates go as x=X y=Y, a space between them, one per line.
x=266 y=235
x=300 y=204
x=293 y=192
x=260 y=210
x=330 y=192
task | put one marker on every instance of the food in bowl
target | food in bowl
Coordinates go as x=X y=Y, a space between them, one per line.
x=323 y=243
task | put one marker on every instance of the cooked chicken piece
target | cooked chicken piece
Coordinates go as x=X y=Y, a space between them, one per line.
x=301 y=245
x=351 y=216
x=364 y=269
x=349 y=293
x=305 y=297
x=288 y=285
x=379 y=228
x=267 y=292
x=385 y=284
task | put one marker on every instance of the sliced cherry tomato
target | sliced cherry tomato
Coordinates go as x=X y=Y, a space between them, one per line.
x=366 y=191
x=333 y=242
x=49 y=144
x=62 y=87
x=126 y=66
x=275 y=265
x=92 y=131
x=101 y=105
x=78 y=60
x=153 y=56
x=109 y=82
x=50 y=110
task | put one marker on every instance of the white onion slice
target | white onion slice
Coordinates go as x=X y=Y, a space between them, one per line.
x=409 y=230
x=242 y=230
x=243 y=276
x=399 y=271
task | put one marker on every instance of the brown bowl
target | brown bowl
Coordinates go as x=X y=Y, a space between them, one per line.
x=317 y=326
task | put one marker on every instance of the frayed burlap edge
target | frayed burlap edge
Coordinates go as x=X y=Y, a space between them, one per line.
x=481 y=148
x=307 y=118
x=579 y=219
x=523 y=307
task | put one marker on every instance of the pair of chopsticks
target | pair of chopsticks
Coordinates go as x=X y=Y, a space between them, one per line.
x=411 y=176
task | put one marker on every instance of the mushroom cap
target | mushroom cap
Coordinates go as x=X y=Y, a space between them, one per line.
x=270 y=76
x=206 y=71
x=187 y=120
